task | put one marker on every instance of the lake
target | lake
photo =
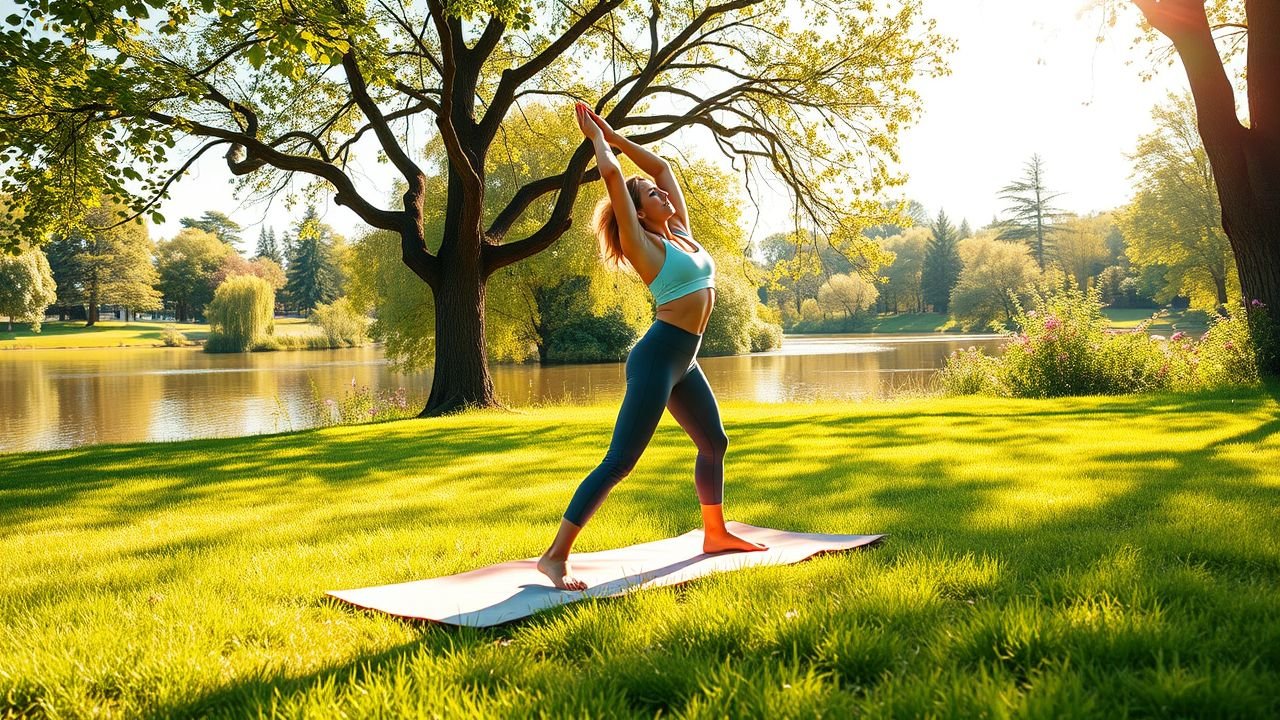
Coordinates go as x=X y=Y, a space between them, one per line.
x=66 y=398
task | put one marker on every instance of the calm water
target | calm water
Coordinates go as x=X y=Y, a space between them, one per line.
x=64 y=398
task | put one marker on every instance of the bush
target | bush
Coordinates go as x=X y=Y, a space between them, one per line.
x=171 y=337
x=1063 y=350
x=765 y=335
x=241 y=313
x=971 y=372
x=343 y=326
x=1056 y=352
x=728 y=330
x=591 y=338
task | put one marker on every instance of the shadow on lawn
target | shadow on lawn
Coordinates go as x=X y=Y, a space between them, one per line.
x=927 y=505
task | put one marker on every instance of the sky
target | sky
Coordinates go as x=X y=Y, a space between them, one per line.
x=1028 y=77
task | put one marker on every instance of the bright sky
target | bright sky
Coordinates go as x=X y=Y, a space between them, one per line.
x=1027 y=78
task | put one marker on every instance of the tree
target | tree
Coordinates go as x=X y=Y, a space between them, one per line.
x=996 y=275
x=97 y=266
x=911 y=210
x=903 y=292
x=188 y=266
x=26 y=287
x=1034 y=218
x=241 y=313
x=1080 y=247
x=818 y=105
x=1245 y=158
x=848 y=295
x=1175 y=220
x=268 y=247
x=212 y=221
x=313 y=276
x=941 y=267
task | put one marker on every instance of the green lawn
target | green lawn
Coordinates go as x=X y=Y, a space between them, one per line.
x=114 y=333
x=1120 y=319
x=1170 y=321
x=1047 y=558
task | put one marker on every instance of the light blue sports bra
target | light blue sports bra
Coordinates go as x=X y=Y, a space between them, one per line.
x=682 y=272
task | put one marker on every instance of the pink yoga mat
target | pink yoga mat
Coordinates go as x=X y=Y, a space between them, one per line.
x=509 y=591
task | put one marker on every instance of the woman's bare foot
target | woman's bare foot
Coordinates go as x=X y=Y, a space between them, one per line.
x=725 y=541
x=559 y=572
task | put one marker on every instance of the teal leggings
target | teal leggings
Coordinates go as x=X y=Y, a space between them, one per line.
x=662 y=371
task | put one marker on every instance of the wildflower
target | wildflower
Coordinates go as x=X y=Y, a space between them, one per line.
x=1257 y=304
x=1228 y=345
x=1052 y=323
x=1177 y=336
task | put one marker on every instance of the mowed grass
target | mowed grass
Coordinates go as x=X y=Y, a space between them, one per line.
x=114 y=333
x=1088 y=557
x=1169 y=321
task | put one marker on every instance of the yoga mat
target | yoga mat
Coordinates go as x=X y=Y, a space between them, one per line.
x=512 y=590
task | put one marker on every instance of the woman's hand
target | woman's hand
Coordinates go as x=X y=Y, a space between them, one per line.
x=610 y=136
x=586 y=124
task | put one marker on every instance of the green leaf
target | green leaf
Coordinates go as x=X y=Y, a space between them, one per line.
x=256 y=55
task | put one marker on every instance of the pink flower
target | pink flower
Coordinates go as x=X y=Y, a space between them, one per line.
x=1178 y=336
x=1256 y=303
x=1052 y=323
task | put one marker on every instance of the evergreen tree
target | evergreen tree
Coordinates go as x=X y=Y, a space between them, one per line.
x=965 y=231
x=268 y=247
x=212 y=221
x=1034 y=217
x=313 y=276
x=942 y=264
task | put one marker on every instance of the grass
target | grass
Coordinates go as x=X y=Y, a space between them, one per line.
x=114 y=333
x=1169 y=321
x=1119 y=319
x=1047 y=558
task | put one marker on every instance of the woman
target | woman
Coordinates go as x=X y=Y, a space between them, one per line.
x=644 y=224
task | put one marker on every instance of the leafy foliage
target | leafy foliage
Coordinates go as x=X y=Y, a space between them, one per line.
x=342 y=324
x=997 y=276
x=1063 y=349
x=27 y=288
x=1174 y=224
x=241 y=313
x=188 y=265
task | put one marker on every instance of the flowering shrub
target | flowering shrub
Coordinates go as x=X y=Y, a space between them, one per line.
x=359 y=404
x=1056 y=351
x=1063 y=349
x=971 y=372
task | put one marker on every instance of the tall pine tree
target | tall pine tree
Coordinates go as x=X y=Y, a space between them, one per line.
x=1034 y=218
x=942 y=264
x=268 y=247
x=313 y=276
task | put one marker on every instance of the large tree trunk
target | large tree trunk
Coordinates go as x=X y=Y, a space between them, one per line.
x=461 y=378
x=1245 y=159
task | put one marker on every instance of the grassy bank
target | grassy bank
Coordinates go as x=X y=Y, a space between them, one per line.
x=1119 y=319
x=1079 y=557
x=114 y=333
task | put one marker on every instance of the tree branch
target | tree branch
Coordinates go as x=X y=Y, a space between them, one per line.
x=390 y=145
x=259 y=154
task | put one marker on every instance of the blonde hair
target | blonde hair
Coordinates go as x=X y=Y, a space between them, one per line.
x=605 y=223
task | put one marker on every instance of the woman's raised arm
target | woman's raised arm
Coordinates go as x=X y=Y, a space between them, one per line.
x=658 y=168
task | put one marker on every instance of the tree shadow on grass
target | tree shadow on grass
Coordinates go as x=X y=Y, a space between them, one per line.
x=928 y=504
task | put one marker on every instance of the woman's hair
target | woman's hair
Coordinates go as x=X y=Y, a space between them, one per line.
x=605 y=223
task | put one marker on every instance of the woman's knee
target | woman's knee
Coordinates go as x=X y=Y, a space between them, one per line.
x=717 y=443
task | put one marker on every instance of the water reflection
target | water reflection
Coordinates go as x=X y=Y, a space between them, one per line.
x=63 y=398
